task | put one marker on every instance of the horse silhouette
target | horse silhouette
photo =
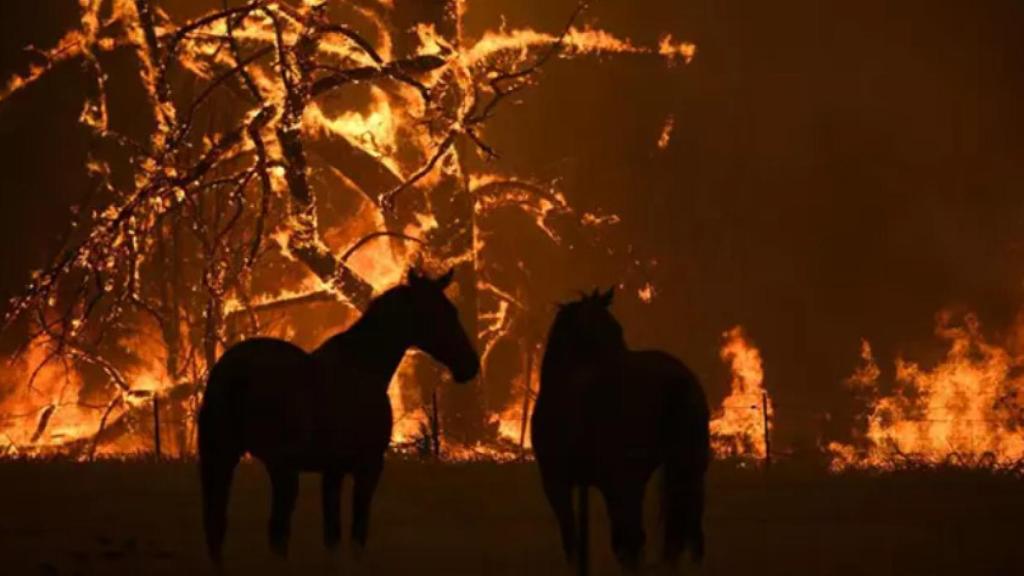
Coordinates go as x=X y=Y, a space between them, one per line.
x=326 y=411
x=608 y=417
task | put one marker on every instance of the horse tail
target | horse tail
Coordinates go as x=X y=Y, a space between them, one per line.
x=220 y=449
x=689 y=452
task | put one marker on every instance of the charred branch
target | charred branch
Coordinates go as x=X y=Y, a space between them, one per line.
x=387 y=201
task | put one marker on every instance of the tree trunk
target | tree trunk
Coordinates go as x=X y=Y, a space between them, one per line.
x=462 y=407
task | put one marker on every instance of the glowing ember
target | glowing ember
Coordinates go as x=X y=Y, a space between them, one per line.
x=681 y=50
x=966 y=410
x=743 y=422
x=646 y=293
x=666 y=133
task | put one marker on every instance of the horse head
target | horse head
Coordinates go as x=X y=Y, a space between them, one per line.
x=436 y=329
x=587 y=328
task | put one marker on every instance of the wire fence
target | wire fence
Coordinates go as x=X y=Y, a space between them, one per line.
x=904 y=443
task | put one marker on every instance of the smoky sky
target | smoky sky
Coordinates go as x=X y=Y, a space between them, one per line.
x=837 y=171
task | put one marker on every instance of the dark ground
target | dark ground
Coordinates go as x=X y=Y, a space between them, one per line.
x=139 y=518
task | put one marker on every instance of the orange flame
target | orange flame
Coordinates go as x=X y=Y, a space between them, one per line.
x=966 y=410
x=739 y=428
x=666 y=132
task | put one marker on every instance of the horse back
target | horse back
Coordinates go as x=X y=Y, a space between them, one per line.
x=613 y=414
x=269 y=390
x=258 y=362
x=621 y=416
x=670 y=377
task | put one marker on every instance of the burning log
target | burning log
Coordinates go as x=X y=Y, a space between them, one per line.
x=103 y=426
x=44 y=419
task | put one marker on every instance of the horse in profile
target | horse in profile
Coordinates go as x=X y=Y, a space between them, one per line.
x=326 y=411
x=608 y=417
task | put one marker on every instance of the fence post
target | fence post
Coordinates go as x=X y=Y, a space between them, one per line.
x=526 y=399
x=767 y=435
x=156 y=424
x=435 y=425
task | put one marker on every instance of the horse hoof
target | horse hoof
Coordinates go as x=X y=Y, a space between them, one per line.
x=662 y=569
x=279 y=551
x=279 y=565
x=332 y=563
x=358 y=551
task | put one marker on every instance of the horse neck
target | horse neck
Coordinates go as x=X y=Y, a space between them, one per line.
x=556 y=352
x=562 y=357
x=376 y=343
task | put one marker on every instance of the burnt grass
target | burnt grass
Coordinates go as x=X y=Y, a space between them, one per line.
x=487 y=518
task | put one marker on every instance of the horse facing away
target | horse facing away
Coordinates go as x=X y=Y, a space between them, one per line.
x=325 y=411
x=608 y=417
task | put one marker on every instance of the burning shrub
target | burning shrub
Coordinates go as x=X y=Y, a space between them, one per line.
x=964 y=411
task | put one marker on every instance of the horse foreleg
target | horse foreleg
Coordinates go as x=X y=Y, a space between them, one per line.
x=364 y=485
x=284 y=484
x=559 y=494
x=625 y=509
x=330 y=494
x=583 y=529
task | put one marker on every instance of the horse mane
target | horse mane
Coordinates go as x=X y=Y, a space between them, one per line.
x=379 y=308
x=381 y=304
x=559 y=343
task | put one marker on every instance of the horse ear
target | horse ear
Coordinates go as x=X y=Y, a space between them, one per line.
x=607 y=297
x=445 y=280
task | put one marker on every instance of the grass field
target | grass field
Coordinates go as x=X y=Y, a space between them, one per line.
x=482 y=518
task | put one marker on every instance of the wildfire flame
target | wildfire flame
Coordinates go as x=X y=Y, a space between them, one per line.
x=966 y=410
x=743 y=422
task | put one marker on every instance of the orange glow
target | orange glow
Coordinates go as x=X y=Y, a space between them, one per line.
x=408 y=421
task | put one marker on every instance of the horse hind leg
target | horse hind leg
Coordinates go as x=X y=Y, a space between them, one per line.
x=330 y=494
x=625 y=508
x=558 y=491
x=583 y=530
x=216 y=473
x=364 y=485
x=284 y=485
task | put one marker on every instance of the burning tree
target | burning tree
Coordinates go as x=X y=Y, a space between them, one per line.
x=295 y=157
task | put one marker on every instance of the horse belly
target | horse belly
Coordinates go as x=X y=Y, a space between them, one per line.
x=357 y=429
x=284 y=434
x=277 y=392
